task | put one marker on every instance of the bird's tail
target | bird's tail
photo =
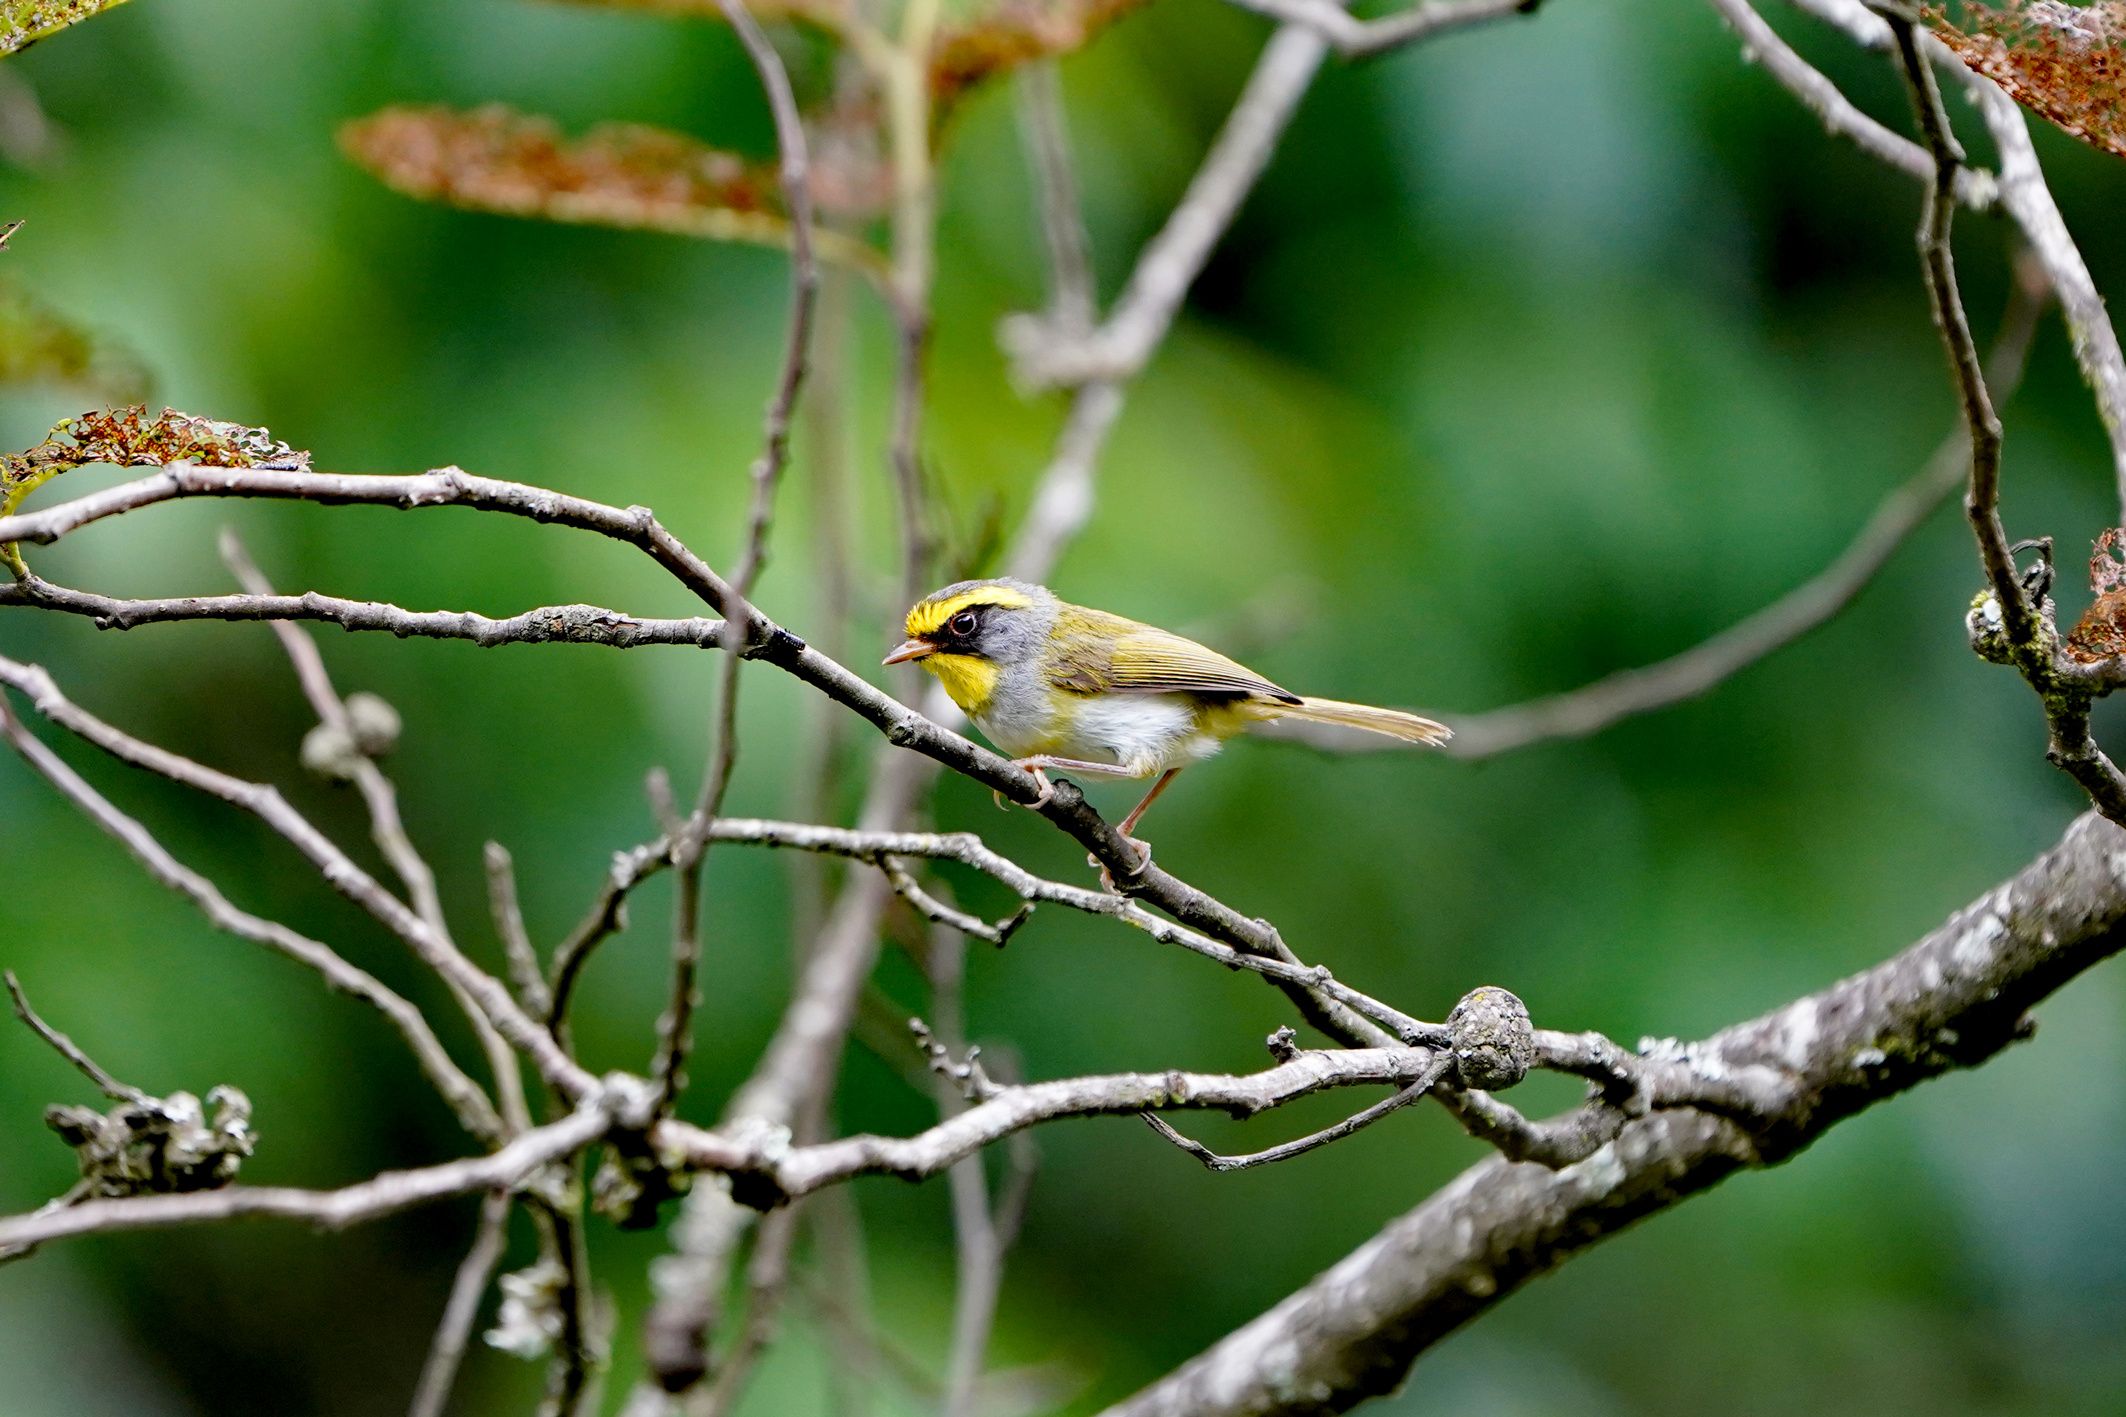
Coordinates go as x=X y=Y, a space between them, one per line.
x=1391 y=723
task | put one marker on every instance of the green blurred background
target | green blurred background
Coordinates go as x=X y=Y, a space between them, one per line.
x=1541 y=352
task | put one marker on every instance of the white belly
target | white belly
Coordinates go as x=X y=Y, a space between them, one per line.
x=1149 y=732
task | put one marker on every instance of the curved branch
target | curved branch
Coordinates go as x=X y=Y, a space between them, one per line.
x=1952 y=1000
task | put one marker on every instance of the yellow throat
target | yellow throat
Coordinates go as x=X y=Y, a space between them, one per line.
x=968 y=679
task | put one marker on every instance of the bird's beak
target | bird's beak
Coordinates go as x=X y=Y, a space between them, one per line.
x=908 y=650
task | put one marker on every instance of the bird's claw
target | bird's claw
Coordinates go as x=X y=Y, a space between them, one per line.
x=1048 y=789
x=1144 y=861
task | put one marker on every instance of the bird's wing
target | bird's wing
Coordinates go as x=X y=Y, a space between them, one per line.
x=1100 y=653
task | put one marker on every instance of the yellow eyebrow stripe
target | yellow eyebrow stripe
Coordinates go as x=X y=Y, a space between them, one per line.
x=925 y=618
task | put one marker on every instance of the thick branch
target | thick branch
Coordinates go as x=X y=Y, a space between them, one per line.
x=1954 y=999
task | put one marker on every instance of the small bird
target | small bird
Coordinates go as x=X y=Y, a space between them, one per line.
x=1060 y=686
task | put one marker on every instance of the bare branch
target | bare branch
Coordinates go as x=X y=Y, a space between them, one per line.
x=387 y=1194
x=463 y=1095
x=548 y=624
x=434 y=950
x=2028 y=202
x=1760 y=42
x=1952 y=1000
x=789 y=1173
x=1591 y=708
x=508 y=913
x=1302 y=1145
x=66 y=1048
x=446 y=1351
x=1361 y=39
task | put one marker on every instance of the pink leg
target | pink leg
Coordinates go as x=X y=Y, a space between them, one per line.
x=1129 y=823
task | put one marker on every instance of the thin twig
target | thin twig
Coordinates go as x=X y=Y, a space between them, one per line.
x=1172 y=259
x=1362 y=39
x=1073 y=303
x=577 y=1352
x=387 y=828
x=607 y=916
x=383 y=1195
x=1982 y=501
x=767 y=1287
x=340 y=871
x=981 y=1245
x=1354 y=1123
x=461 y=1312
x=463 y=1095
x=675 y=1027
x=507 y=912
x=1591 y=708
x=548 y=624
x=1974 y=187
x=1100 y=363
x=66 y=1048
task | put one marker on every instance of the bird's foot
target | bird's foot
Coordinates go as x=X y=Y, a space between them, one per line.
x=1048 y=789
x=1144 y=861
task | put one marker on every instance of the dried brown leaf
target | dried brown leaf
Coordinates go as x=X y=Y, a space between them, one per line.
x=2063 y=62
x=1000 y=36
x=2101 y=632
x=494 y=159
x=127 y=437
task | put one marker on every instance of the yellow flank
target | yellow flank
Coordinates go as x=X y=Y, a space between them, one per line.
x=927 y=617
x=968 y=679
x=1223 y=720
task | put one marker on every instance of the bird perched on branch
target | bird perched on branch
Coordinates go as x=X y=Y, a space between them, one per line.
x=1060 y=686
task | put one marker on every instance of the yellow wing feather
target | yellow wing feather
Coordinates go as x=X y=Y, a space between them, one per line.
x=1102 y=653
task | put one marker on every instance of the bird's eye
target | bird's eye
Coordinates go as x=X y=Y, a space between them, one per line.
x=962 y=624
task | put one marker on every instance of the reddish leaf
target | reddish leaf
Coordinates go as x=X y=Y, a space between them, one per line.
x=496 y=160
x=1012 y=32
x=2064 y=63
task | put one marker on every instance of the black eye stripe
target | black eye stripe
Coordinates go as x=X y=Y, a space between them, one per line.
x=962 y=624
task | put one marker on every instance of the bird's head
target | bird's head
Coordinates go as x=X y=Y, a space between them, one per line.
x=969 y=633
